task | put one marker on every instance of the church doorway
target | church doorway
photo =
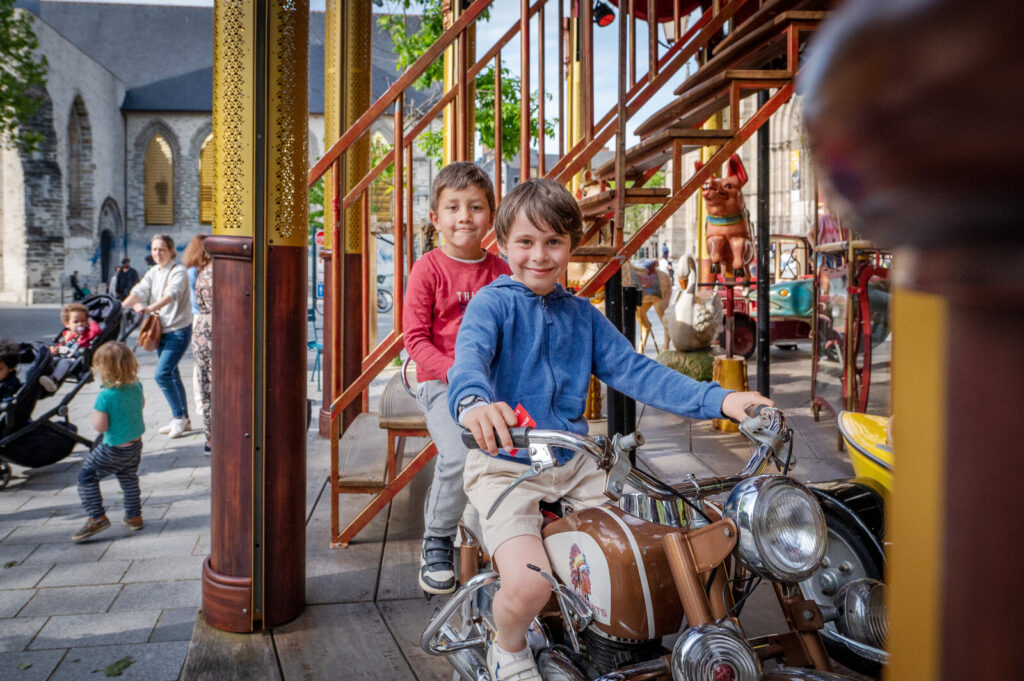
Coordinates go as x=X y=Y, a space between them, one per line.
x=106 y=246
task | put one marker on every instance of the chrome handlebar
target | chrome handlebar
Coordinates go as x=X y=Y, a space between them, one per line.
x=766 y=428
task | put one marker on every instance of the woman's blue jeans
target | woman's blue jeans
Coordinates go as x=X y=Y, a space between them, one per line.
x=172 y=347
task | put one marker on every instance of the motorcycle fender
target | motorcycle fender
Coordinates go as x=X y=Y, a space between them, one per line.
x=860 y=503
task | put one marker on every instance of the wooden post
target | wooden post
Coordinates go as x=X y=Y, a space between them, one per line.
x=255 y=574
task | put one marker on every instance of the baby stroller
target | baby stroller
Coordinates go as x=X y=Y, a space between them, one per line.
x=45 y=440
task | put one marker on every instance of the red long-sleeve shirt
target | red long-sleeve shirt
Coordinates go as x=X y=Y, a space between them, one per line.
x=438 y=291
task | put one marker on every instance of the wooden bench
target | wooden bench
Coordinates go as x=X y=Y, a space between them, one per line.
x=360 y=469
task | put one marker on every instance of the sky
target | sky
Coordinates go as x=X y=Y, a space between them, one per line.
x=504 y=14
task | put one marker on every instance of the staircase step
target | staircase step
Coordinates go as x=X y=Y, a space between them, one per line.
x=604 y=202
x=362 y=453
x=598 y=254
x=656 y=150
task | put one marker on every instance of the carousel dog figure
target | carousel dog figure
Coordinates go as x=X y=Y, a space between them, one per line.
x=729 y=240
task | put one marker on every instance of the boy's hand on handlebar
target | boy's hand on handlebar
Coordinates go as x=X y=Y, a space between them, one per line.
x=735 y=404
x=486 y=421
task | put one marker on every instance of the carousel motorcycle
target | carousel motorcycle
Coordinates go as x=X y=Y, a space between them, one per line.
x=664 y=560
x=855 y=514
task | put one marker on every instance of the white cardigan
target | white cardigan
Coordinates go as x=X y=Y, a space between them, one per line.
x=176 y=314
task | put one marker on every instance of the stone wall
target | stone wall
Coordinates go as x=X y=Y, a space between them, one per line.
x=39 y=249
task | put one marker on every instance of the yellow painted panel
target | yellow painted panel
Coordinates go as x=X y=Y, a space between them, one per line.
x=234 y=26
x=287 y=206
x=916 y=516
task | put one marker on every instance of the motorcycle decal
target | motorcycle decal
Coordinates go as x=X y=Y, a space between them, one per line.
x=578 y=560
x=640 y=567
x=580 y=572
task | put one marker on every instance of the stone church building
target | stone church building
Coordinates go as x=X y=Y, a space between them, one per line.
x=126 y=122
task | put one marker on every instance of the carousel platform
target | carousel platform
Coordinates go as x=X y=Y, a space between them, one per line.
x=365 y=612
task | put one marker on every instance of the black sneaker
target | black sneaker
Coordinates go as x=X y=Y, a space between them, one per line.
x=437 y=565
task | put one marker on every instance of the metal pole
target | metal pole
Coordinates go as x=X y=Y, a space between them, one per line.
x=764 y=384
x=613 y=311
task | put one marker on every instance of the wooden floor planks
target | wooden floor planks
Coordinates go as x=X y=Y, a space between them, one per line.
x=220 y=656
x=340 y=641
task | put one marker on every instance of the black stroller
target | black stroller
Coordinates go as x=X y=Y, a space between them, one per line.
x=45 y=440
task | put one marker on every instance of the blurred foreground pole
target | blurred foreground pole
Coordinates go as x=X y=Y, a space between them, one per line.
x=254 y=576
x=913 y=112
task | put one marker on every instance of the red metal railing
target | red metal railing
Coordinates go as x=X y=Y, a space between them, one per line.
x=663 y=62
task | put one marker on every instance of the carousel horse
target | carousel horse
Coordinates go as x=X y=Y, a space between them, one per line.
x=657 y=287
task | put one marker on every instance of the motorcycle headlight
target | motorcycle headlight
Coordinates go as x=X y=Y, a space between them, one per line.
x=711 y=652
x=782 y=529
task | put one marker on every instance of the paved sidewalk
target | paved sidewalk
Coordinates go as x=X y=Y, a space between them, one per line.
x=69 y=609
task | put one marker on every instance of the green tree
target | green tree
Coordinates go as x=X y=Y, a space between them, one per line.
x=22 y=74
x=409 y=47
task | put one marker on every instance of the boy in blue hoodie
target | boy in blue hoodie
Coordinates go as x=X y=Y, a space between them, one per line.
x=526 y=340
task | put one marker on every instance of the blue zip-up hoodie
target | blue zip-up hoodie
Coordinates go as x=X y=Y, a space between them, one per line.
x=539 y=351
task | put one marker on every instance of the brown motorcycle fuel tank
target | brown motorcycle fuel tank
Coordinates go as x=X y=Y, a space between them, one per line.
x=616 y=562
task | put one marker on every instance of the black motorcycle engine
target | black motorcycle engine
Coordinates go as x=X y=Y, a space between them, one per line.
x=608 y=654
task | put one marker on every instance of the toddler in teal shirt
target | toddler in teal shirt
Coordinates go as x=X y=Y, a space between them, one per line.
x=117 y=414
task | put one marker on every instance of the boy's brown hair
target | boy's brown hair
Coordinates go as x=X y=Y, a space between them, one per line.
x=116 y=364
x=542 y=202
x=460 y=175
x=65 y=312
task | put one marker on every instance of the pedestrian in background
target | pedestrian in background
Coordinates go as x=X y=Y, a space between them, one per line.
x=164 y=291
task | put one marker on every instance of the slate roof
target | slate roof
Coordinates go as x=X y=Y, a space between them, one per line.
x=164 y=53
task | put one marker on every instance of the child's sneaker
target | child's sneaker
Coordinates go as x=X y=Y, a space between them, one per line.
x=166 y=430
x=92 y=527
x=179 y=427
x=48 y=384
x=133 y=524
x=512 y=666
x=437 y=565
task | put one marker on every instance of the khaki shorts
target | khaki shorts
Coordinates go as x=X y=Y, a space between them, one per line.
x=578 y=482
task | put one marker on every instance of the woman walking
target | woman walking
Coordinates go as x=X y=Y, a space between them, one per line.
x=164 y=291
x=202 y=335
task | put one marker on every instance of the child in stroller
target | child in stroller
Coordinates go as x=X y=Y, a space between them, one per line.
x=45 y=440
x=9 y=381
x=79 y=332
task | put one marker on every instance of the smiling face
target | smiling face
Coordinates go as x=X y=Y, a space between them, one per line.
x=463 y=217
x=537 y=255
x=160 y=252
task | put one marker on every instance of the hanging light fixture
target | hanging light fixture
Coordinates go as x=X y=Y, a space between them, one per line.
x=603 y=14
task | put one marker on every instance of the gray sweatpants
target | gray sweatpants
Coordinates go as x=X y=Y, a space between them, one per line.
x=446 y=500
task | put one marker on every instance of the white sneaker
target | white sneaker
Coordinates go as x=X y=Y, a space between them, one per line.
x=166 y=429
x=179 y=427
x=512 y=666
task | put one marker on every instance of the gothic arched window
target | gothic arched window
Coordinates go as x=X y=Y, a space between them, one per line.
x=159 y=181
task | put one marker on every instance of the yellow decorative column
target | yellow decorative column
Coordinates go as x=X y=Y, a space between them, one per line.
x=254 y=576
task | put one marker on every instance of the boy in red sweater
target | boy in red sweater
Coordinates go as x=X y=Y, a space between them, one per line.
x=440 y=286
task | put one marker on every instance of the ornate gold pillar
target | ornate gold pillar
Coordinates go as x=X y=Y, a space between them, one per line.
x=347 y=92
x=254 y=576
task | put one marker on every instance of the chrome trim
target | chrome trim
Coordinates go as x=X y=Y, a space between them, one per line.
x=740 y=507
x=405 y=377
x=862 y=649
x=658 y=665
x=794 y=674
x=768 y=430
x=668 y=512
x=436 y=639
x=852 y=515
